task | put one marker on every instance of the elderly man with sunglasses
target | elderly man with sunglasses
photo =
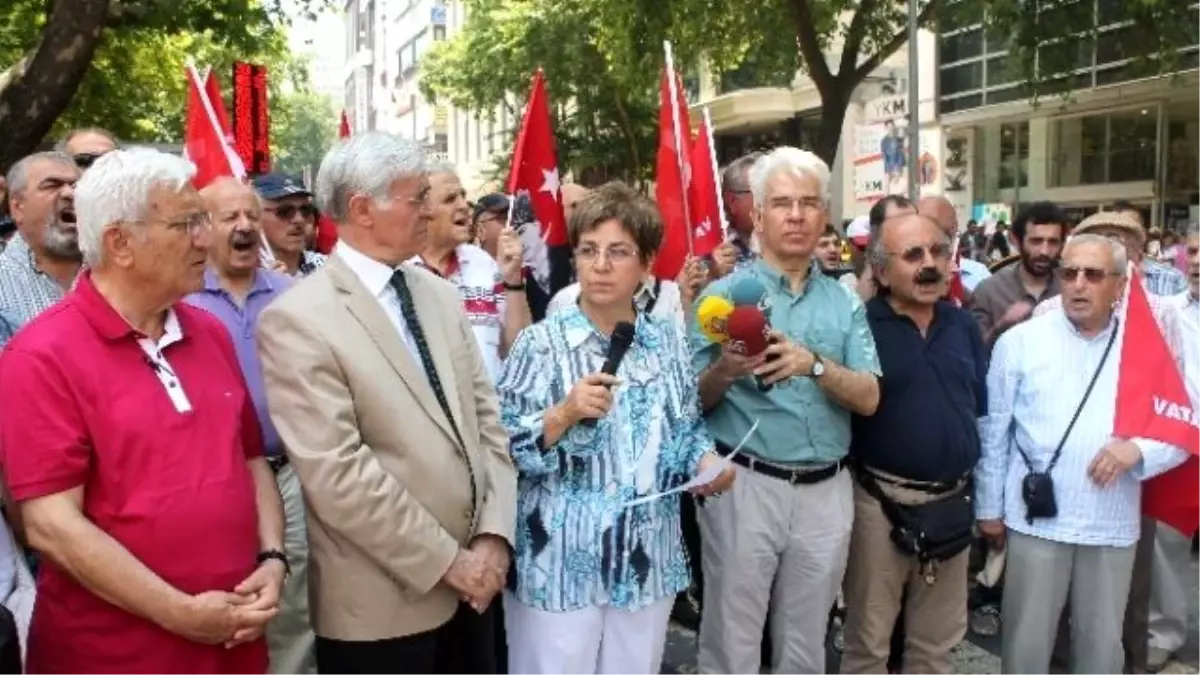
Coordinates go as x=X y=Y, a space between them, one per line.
x=289 y=222
x=1123 y=226
x=1053 y=486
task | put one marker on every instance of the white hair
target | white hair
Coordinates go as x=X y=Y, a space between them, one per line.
x=364 y=164
x=117 y=189
x=793 y=160
x=1119 y=255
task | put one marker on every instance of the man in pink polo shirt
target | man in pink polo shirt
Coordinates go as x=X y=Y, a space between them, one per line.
x=130 y=444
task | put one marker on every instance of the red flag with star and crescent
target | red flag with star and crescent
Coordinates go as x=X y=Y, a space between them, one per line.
x=672 y=175
x=704 y=207
x=1153 y=402
x=535 y=165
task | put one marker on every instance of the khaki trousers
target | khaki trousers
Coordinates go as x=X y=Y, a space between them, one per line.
x=877 y=574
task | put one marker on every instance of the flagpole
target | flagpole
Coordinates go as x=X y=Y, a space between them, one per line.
x=712 y=158
x=679 y=149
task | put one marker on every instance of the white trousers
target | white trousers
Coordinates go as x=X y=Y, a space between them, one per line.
x=594 y=640
x=1168 y=594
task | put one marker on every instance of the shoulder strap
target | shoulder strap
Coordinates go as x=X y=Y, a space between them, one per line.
x=1075 y=418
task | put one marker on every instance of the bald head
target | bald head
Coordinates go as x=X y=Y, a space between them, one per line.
x=225 y=190
x=572 y=194
x=941 y=211
x=236 y=214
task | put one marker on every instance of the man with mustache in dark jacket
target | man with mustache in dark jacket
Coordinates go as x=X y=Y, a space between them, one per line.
x=918 y=449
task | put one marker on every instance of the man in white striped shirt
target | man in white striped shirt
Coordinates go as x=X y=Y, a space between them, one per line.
x=1039 y=376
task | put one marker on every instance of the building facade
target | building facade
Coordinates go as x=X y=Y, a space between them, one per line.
x=387 y=41
x=1115 y=135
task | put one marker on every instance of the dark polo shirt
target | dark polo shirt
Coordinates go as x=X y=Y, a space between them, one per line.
x=932 y=391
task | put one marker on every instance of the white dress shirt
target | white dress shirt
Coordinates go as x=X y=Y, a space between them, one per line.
x=377 y=277
x=972 y=272
x=1038 y=375
x=669 y=304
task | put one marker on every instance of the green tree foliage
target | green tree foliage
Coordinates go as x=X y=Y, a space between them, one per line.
x=119 y=63
x=303 y=127
x=602 y=58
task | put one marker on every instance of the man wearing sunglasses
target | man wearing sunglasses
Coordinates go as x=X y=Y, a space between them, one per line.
x=288 y=222
x=85 y=146
x=1124 y=228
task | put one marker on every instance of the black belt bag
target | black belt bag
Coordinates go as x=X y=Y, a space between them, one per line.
x=934 y=531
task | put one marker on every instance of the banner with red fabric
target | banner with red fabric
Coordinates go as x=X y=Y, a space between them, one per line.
x=1152 y=402
x=205 y=143
x=251 y=117
x=672 y=175
x=704 y=206
x=534 y=167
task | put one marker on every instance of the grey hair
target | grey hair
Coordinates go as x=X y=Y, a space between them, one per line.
x=1193 y=229
x=441 y=166
x=876 y=254
x=364 y=164
x=1117 y=248
x=18 y=175
x=61 y=146
x=117 y=189
x=734 y=177
x=792 y=160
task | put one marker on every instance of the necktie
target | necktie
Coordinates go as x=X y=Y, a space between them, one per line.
x=409 y=311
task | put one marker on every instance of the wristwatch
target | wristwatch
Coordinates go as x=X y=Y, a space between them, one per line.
x=276 y=554
x=818 y=367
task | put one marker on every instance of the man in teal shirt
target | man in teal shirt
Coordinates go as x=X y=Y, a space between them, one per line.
x=777 y=542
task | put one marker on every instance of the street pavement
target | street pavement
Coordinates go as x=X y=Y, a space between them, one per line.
x=974 y=655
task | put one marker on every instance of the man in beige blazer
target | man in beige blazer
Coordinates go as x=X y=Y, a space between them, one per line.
x=383 y=403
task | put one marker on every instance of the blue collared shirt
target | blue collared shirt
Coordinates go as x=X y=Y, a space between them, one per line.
x=800 y=424
x=577 y=545
x=933 y=389
x=241 y=322
x=1162 y=279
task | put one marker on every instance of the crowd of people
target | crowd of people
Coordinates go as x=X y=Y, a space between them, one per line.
x=443 y=447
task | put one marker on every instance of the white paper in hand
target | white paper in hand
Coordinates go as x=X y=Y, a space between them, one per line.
x=703 y=478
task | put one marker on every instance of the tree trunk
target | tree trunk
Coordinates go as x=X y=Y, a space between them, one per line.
x=834 y=101
x=40 y=86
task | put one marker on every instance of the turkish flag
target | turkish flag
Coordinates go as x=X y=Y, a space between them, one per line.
x=1152 y=402
x=534 y=167
x=212 y=88
x=344 y=127
x=704 y=205
x=205 y=143
x=671 y=176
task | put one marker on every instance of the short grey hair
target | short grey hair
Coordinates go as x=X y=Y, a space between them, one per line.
x=117 y=188
x=792 y=160
x=364 y=164
x=441 y=166
x=1193 y=229
x=18 y=175
x=876 y=254
x=734 y=177
x=61 y=146
x=1117 y=248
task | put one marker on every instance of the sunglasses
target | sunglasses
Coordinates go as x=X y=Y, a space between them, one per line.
x=1093 y=275
x=288 y=211
x=916 y=254
x=85 y=160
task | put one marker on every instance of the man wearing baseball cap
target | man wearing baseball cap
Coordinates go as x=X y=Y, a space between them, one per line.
x=488 y=219
x=288 y=222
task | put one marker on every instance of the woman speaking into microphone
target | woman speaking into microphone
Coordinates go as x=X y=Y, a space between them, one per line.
x=593 y=577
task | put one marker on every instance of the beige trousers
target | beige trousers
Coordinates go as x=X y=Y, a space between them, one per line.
x=877 y=573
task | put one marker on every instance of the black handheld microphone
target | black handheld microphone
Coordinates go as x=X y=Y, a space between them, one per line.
x=622 y=338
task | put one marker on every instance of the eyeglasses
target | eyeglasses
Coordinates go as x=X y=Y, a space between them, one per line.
x=616 y=255
x=915 y=254
x=1093 y=275
x=194 y=223
x=84 y=160
x=288 y=211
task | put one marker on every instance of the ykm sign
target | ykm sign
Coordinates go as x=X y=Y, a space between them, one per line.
x=886 y=108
